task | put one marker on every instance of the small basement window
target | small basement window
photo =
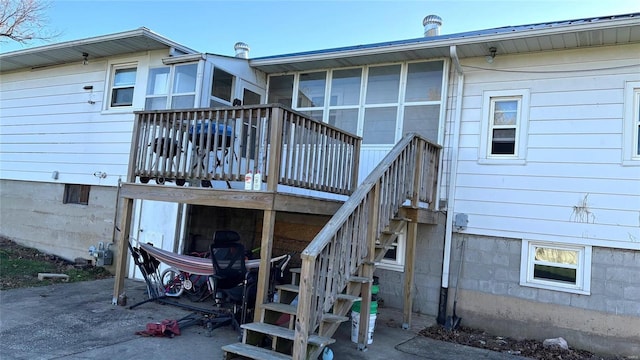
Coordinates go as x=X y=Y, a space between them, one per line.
x=76 y=194
x=556 y=267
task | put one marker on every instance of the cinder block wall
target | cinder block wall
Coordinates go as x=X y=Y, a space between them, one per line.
x=491 y=298
x=32 y=214
x=428 y=271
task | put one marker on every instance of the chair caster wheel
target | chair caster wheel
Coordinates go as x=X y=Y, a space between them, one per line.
x=160 y=181
x=180 y=182
x=144 y=179
x=205 y=183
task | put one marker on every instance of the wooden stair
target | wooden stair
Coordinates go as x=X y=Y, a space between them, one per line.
x=272 y=338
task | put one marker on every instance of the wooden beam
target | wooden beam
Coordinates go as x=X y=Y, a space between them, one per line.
x=266 y=244
x=306 y=204
x=260 y=200
x=419 y=215
x=409 y=270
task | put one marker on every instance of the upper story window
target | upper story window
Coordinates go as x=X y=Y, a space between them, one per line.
x=281 y=90
x=378 y=102
x=171 y=87
x=122 y=85
x=631 y=147
x=221 y=88
x=505 y=126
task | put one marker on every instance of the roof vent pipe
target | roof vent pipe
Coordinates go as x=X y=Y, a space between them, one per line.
x=242 y=50
x=432 y=25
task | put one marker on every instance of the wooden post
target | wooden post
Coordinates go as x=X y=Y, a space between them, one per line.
x=266 y=244
x=368 y=266
x=122 y=240
x=123 y=249
x=409 y=267
x=269 y=220
x=303 y=317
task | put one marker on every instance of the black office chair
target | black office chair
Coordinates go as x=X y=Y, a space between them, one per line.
x=234 y=287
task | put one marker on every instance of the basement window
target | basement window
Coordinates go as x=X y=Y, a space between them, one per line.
x=76 y=194
x=556 y=267
x=394 y=257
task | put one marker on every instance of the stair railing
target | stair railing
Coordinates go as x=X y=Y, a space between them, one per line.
x=407 y=176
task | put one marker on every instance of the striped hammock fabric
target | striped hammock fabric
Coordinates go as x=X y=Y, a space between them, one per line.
x=194 y=264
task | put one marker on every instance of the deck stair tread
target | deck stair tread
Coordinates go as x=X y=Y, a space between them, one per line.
x=332 y=318
x=279 y=307
x=285 y=333
x=289 y=287
x=347 y=297
x=255 y=352
x=359 y=279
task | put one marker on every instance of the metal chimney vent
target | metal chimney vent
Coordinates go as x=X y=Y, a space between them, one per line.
x=432 y=25
x=242 y=50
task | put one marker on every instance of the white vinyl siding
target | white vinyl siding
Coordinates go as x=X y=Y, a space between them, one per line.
x=572 y=188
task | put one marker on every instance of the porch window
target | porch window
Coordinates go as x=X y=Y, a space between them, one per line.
x=124 y=80
x=424 y=81
x=631 y=140
x=221 y=88
x=556 y=267
x=344 y=101
x=171 y=87
x=281 y=90
x=505 y=126
x=311 y=89
x=76 y=194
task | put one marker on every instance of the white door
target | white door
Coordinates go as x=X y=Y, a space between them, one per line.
x=158 y=223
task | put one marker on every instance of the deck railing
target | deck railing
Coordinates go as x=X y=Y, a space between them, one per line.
x=406 y=176
x=204 y=145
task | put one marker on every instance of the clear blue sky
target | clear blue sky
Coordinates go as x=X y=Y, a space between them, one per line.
x=282 y=27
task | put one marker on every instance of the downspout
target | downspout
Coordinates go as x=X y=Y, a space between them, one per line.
x=453 y=174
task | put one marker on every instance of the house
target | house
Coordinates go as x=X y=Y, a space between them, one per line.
x=533 y=224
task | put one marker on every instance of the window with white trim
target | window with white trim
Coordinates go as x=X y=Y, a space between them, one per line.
x=122 y=85
x=394 y=257
x=172 y=87
x=552 y=266
x=505 y=124
x=631 y=146
x=221 y=88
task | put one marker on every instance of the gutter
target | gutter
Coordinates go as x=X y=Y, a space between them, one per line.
x=453 y=171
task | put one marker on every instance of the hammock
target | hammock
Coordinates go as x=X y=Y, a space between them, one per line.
x=193 y=264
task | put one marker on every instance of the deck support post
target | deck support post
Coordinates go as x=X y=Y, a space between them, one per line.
x=409 y=265
x=266 y=244
x=123 y=249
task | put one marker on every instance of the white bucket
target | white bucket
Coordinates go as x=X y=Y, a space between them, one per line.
x=355 y=325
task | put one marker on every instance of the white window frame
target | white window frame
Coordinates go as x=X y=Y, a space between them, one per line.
x=400 y=244
x=583 y=268
x=111 y=86
x=631 y=124
x=522 y=127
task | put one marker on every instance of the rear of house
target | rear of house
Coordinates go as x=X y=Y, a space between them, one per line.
x=539 y=176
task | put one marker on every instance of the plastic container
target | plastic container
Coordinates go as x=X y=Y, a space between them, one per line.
x=355 y=326
x=248 y=181
x=257 y=181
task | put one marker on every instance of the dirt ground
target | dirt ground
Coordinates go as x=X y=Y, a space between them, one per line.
x=527 y=348
x=19 y=267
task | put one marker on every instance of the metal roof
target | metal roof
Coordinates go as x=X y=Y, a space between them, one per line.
x=597 y=31
x=141 y=39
